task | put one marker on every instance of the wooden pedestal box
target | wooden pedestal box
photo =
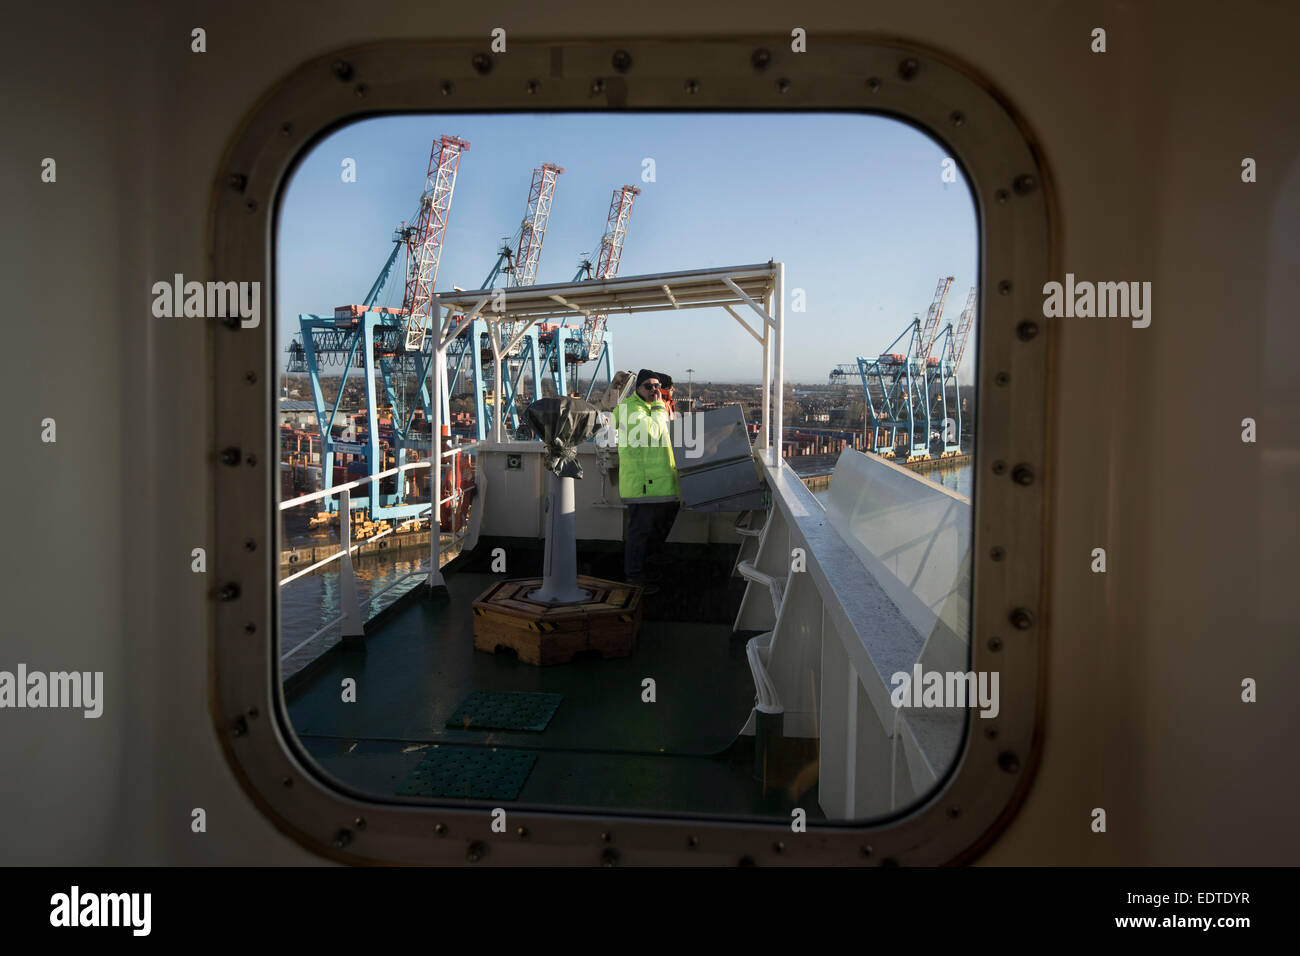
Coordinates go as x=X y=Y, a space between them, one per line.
x=543 y=634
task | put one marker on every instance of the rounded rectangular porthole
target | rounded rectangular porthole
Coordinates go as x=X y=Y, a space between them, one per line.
x=449 y=646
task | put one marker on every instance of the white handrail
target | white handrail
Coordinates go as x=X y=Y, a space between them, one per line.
x=369 y=600
x=351 y=616
x=333 y=557
x=335 y=489
x=374 y=537
x=326 y=492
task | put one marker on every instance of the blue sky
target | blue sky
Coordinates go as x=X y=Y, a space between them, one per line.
x=853 y=205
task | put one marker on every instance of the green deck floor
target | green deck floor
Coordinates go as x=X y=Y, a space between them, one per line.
x=603 y=748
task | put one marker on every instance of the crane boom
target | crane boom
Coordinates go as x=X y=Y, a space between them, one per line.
x=516 y=267
x=963 y=326
x=532 y=231
x=427 y=237
x=930 y=328
x=519 y=258
x=607 y=262
x=528 y=242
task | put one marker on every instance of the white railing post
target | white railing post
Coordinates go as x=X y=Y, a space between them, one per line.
x=778 y=300
x=353 y=629
x=437 y=585
x=455 y=491
x=350 y=605
x=765 y=432
x=494 y=336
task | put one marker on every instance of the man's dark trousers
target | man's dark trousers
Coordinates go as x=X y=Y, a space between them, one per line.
x=648 y=526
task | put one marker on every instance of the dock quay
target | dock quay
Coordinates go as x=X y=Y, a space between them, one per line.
x=303 y=553
x=815 y=470
x=939 y=464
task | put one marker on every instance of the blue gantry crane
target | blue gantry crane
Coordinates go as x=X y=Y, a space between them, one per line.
x=469 y=355
x=391 y=342
x=395 y=345
x=566 y=348
x=894 y=387
x=907 y=414
x=551 y=352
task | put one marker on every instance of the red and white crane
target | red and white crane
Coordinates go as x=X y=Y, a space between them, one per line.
x=607 y=262
x=963 y=327
x=520 y=262
x=930 y=328
x=532 y=231
x=424 y=244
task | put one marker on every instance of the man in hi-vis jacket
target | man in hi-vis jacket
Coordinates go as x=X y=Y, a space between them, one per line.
x=647 y=475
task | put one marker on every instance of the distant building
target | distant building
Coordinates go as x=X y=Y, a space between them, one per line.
x=301 y=415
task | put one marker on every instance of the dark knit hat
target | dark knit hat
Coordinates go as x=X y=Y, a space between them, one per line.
x=665 y=380
x=644 y=374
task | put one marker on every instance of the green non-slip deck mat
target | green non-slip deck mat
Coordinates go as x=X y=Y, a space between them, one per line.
x=421 y=664
x=505 y=710
x=470 y=773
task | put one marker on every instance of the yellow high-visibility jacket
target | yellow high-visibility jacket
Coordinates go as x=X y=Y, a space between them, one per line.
x=646 y=469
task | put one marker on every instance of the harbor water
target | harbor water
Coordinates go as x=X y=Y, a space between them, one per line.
x=312 y=601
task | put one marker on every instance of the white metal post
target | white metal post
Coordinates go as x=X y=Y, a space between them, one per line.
x=778 y=313
x=494 y=333
x=767 y=388
x=560 y=581
x=348 y=603
x=444 y=393
x=368 y=324
x=435 y=472
x=455 y=491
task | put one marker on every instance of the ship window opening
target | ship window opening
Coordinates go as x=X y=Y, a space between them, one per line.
x=711 y=674
x=803 y=658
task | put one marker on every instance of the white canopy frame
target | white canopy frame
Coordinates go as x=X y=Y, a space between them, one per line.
x=760 y=288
